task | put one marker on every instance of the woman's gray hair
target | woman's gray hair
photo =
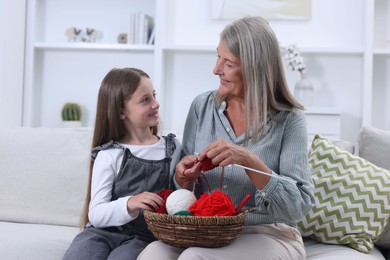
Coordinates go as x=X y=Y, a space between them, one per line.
x=255 y=44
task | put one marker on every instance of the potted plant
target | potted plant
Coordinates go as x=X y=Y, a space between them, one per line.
x=71 y=115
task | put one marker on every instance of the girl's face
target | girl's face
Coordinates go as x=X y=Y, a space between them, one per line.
x=228 y=69
x=141 y=110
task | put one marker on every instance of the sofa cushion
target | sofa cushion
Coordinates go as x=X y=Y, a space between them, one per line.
x=43 y=174
x=352 y=198
x=374 y=146
x=321 y=251
x=345 y=145
x=22 y=241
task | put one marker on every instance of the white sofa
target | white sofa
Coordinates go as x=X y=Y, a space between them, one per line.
x=43 y=182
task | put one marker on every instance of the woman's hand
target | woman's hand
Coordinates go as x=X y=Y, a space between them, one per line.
x=145 y=200
x=187 y=171
x=223 y=153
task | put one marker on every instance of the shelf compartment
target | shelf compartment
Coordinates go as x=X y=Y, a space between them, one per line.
x=94 y=46
x=308 y=50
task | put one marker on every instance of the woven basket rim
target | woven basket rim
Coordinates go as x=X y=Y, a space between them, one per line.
x=200 y=231
x=206 y=220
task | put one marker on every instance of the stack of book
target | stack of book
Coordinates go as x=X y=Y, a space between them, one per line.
x=141 y=29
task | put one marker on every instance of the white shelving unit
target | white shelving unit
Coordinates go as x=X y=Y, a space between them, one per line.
x=350 y=71
x=92 y=46
x=58 y=70
x=379 y=105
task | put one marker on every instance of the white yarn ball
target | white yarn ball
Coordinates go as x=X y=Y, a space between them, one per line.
x=179 y=200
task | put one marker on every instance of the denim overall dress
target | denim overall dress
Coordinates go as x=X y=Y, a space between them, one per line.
x=135 y=176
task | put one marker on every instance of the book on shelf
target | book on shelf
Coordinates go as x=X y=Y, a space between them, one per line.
x=141 y=28
x=152 y=36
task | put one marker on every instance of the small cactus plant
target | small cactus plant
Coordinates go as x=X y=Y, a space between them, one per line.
x=71 y=112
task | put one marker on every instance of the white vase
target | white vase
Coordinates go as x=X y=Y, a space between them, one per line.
x=304 y=90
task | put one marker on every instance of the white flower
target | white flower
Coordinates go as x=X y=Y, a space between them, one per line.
x=294 y=58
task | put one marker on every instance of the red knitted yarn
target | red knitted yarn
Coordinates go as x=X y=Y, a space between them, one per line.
x=207 y=165
x=214 y=204
x=163 y=194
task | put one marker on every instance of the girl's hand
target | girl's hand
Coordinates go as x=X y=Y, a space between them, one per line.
x=146 y=200
x=187 y=171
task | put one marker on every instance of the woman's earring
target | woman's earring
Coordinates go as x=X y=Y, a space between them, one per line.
x=122 y=117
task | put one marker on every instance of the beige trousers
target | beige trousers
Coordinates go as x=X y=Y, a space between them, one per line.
x=264 y=242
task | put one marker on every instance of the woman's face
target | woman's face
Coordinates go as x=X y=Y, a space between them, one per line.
x=228 y=69
x=141 y=110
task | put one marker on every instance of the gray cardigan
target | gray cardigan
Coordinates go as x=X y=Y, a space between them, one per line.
x=283 y=149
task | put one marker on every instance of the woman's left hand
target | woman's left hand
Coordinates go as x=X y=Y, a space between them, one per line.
x=223 y=153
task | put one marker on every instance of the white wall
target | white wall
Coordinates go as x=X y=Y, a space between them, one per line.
x=191 y=23
x=337 y=78
x=12 y=29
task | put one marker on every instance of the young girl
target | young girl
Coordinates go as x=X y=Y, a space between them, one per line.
x=130 y=164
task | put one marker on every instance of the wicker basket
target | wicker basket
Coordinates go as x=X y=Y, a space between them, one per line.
x=189 y=231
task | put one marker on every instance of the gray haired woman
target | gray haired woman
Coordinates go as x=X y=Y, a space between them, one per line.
x=251 y=120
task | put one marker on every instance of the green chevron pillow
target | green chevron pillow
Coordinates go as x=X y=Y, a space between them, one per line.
x=352 y=195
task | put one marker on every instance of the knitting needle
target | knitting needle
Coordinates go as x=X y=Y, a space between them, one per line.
x=298 y=183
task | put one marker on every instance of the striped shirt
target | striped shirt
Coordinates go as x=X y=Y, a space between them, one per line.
x=283 y=148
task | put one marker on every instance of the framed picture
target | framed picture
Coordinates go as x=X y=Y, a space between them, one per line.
x=269 y=9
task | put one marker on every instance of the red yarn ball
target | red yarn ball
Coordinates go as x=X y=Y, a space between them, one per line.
x=163 y=194
x=214 y=204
